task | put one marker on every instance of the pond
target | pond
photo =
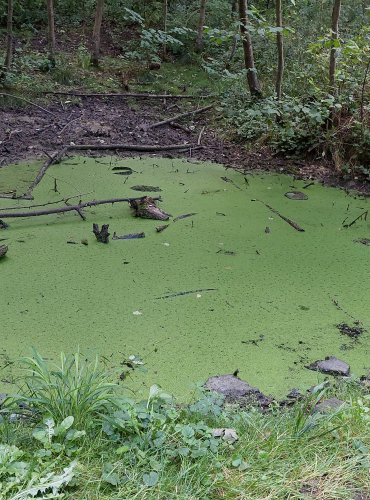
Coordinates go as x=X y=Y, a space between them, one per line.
x=233 y=286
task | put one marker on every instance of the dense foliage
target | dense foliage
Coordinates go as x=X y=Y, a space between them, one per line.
x=312 y=116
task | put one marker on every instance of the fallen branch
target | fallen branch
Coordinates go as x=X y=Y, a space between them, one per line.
x=62 y=200
x=178 y=294
x=148 y=148
x=200 y=135
x=184 y=216
x=131 y=94
x=178 y=117
x=51 y=161
x=131 y=236
x=77 y=208
x=289 y=221
x=360 y=217
x=29 y=102
x=13 y=196
x=68 y=124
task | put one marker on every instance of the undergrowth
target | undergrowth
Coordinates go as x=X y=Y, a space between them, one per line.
x=72 y=431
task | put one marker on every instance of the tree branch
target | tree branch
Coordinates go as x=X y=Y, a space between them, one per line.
x=29 y=102
x=178 y=117
x=70 y=208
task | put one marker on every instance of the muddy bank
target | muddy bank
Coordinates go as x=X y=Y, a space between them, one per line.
x=27 y=132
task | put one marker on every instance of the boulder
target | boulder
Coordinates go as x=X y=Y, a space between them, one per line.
x=236 y=390
x=331 y=365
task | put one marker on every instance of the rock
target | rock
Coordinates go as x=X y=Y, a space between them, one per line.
x=229 y=435
x=331 y=365
x=328 y=405
x=291 y=398
x=296 y=195
x=237 y=391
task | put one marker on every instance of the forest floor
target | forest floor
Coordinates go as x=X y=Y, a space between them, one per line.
x=28 y=132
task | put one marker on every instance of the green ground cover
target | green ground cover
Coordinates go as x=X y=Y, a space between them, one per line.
x=271 y=310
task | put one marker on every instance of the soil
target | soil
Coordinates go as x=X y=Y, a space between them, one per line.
x=27 y=132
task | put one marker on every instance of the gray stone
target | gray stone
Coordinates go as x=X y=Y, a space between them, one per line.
x=296 y=195
x=328 y=405
x=330 y=365
x=236 y=390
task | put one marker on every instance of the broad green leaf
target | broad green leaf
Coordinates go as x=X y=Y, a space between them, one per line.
x=67 y=423
x=151 y=479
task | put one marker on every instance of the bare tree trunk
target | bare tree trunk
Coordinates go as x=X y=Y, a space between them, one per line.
x=95 y=54
x=334 y=36
x=9 y=37
x=165 y=16
x=51 y=31
x=280 y=48
x=202 y=17
x=253 y=83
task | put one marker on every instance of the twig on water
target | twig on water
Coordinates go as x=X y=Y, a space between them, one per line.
x=362 y=216
x=178 y=294
x=289 y=221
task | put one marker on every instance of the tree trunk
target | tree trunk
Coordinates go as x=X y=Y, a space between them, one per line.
x=95 y=54
x=9 y=37
x=253 y=83
x=202 y=17
x=165 y=16
x=280 y=48
x=51 y=31
x=334 y=36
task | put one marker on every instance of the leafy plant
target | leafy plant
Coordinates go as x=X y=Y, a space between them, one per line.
x=57 y=439
x=76 y=388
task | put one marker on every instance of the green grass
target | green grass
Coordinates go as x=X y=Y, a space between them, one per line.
x=157 y=449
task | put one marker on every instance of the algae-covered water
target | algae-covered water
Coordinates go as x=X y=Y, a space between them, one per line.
x=277 y=294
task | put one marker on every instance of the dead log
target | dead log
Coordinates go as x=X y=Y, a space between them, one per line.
x=178 y=117
x=147 y=209
x=3 y=250
x=131 y=94
x=102 y=235
x=70 y=208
